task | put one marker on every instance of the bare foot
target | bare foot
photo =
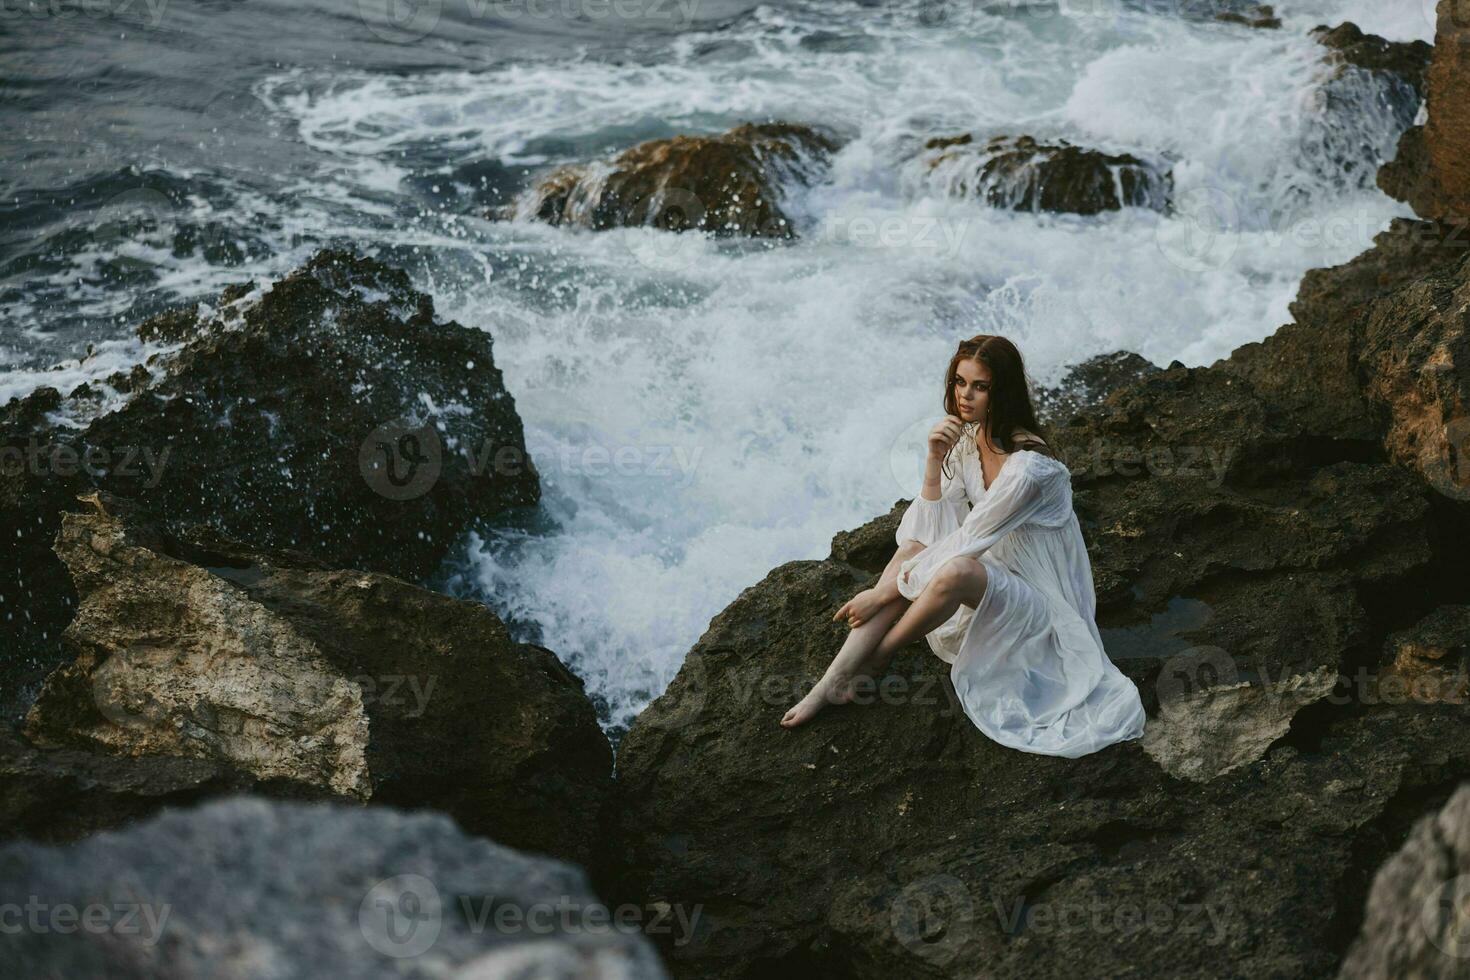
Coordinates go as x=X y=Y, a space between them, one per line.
x=833 y=688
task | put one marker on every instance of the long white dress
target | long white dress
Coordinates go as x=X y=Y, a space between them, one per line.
x=1028 y=663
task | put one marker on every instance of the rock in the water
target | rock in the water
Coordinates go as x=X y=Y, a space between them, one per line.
x=333 y=415
x=248 y=887
x=1025 y=175
x=1414 y=924
x=346 y=682
x=1244 y=12
x=1350 y=46
x=1369 y=98
x=730 y=184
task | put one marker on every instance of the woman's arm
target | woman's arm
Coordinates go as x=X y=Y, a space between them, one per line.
x=1008 y=504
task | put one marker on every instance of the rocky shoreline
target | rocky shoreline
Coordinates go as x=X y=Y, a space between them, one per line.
x=219 y=561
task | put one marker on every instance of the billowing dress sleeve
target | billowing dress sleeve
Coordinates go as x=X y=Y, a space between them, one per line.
x=927 y=521
x=1008 y=504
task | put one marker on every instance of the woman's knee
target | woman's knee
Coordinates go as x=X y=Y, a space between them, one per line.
x=964 y=575
x=911 y=547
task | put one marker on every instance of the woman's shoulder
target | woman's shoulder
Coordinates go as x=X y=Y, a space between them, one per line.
x=1039 y=457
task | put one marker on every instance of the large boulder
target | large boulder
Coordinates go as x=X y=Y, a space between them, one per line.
x=248 y=887
x=1023 y=174
x=1086 y=384
x=729 y=184
x=319 y=680
x=331 y=413
x=1263 y=532
x=1414 y=924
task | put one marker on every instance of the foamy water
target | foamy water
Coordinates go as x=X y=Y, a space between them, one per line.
x=703 y=411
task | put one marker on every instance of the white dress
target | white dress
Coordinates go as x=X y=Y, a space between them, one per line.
x=1028 y=663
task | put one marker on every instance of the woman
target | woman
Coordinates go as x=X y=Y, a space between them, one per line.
x=991 y=568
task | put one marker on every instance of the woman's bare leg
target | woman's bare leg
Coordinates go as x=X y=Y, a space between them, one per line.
x=835 y=687
x=869 y=648
x=959 y=581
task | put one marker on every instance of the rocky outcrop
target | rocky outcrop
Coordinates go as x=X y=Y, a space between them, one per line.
x=324 y=681
x=251 y=887
x=1023 y=174
x=730 y=184
x=1431 y=172
x=1086 y=384
x=1262 y=532
x=1414 y=924
x=332 y=414
x=1349 y=46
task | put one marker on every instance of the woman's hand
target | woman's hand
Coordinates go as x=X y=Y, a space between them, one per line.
x=860 y=608
x=946 y=433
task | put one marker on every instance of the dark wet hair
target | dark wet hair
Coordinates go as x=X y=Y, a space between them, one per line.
x=1009 y=402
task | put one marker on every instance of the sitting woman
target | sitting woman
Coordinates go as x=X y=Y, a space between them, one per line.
x=992 y=570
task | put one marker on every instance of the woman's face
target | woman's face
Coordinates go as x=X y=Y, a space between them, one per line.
x=971 y=383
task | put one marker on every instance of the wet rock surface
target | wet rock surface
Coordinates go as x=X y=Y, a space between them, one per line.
x=332 y=414
x=731 y=184
x=1023 y=174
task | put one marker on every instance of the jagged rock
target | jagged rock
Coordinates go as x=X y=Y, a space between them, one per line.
x=1348 y=45
x=1087 y=384
x=1414 y=924
x=1375 y=368
x=1428 y=662
x=333 y=415
x=1257 y=507
x=346 y=682
x=729 y=184
x=1022 y=174
x=1206 y=732
x=251 y=887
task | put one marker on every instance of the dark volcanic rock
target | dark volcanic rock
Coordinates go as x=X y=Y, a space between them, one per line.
x=333 y=415
x=1087 y=384
x=1024 y=175
x=1244 y=12
x=250 y=887
x=63 y=794
x=1266 y=541
x=343 y=682
x=1414 y=923
x=729 y=184
x=1350 y=46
